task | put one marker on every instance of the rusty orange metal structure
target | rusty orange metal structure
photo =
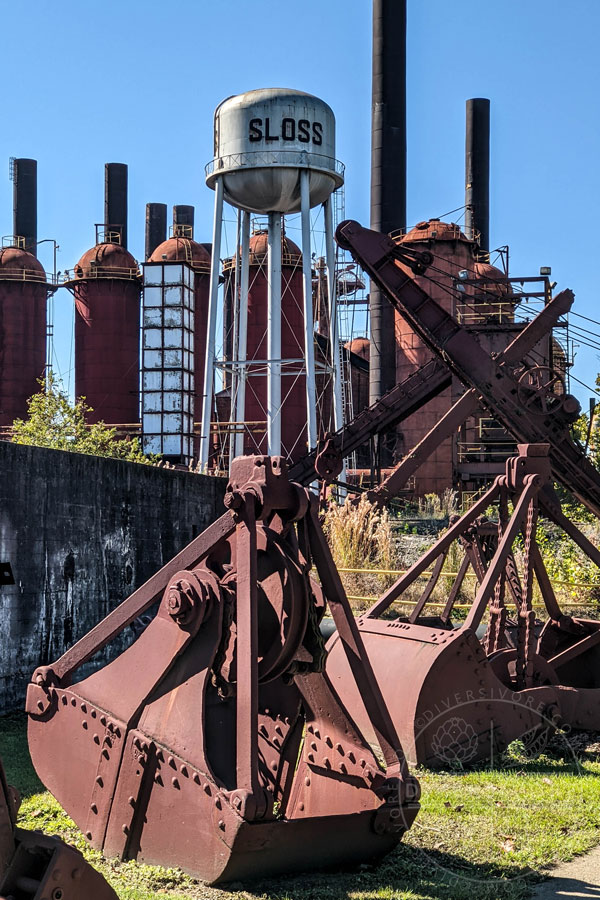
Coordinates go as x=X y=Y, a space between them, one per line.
x=455 y=694
x=215 y=742
x=36 y=867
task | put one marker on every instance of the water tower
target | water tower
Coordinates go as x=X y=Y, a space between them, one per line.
x=274 y=155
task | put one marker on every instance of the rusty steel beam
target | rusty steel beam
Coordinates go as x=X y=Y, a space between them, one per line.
x=501 y=383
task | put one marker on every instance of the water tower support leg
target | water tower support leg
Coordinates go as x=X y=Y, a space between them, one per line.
x=274 y=337
x=309 y=338
x=338 y=410
x=240 y=411
x=215 y=265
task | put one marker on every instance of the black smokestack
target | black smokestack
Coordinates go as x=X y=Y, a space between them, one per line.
x=25 y=202
x=183 y=221
x=477 y=171
x=115 y=199
x=156 y=226
x=388 y=171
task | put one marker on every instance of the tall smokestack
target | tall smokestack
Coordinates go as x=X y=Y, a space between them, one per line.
x=477 y=171
x=388 y=171
x=115 y=198
x=25 y=202
x=156 y=226
x=183 y=215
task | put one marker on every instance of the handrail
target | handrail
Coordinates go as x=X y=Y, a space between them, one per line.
x=93 y=273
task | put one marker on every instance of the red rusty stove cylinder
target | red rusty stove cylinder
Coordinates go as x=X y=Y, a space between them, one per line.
x=293 y=386
x=106 y=286
x=22 y=331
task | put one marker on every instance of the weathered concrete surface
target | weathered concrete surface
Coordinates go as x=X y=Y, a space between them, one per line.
x=81 y=533
x=578 y=878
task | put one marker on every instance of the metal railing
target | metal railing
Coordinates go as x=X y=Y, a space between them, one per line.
x=484 y=313
x=95 y=272
x=488 y=451
x=269 y=158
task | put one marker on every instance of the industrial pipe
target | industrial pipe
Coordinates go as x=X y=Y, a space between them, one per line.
x=25 y=202
x=388 y=171
x=156 y=226
x=183 y=216
x=477 y=172
x=115 y=199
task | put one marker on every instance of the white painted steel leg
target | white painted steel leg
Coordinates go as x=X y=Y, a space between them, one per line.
x=309 y=337
x=338 y=409
x=274 y=337
x=240 y=411
x=209 y=365
x=235 y=306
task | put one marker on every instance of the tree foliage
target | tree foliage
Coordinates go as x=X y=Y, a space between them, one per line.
x=52 y=421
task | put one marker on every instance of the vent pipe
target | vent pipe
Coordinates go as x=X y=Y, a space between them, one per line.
x=115 y=199
x=477 y=172
x=183 y=221
x=25 y=202
x=156 y=226
x=388 y=171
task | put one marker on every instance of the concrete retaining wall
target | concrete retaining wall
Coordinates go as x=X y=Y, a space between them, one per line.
x=81 y=533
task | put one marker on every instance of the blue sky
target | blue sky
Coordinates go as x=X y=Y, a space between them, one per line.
x=137 y=81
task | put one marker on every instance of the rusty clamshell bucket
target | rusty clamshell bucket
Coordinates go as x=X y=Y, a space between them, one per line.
x=214 y=742
x=455 y=697
x=36 y=867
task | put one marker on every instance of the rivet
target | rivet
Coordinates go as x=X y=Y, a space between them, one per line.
x=106 y=755
x=343 y=768
x=307 y=782
x=93 y=715
x=76 y=874
x=339 y=749
x=274 y=765
x=207 y=789
x=362 y=763
x=218 y=803
x=328 y=741
x=184 y=771
x=83 y=708
x=64 y=700
x=99 y=781
x=326 y=763
x=40 y=705
x=94 y=808
x=221 y=824
x=96 y=739
x=311 y=757
x=88 y=835
x=351 y=757
x=313 y=746
x=301 y=806
x=132 y=801
x=171 y=762
x=73 y=701
x=125 y=829
x=103 y=720
x=175 y=783
x=196 y=778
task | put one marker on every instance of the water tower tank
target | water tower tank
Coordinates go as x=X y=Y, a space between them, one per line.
x=263 y=139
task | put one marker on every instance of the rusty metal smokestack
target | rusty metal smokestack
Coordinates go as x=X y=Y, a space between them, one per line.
x=25 y=202
x=183 y=221
x=156 y=226
x=115 y=199
x=388 y=171
x=477 y=171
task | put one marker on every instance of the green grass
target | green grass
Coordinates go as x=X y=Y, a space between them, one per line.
x=483 y=834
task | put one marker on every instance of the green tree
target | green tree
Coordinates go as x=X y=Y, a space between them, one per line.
x=53 y=422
